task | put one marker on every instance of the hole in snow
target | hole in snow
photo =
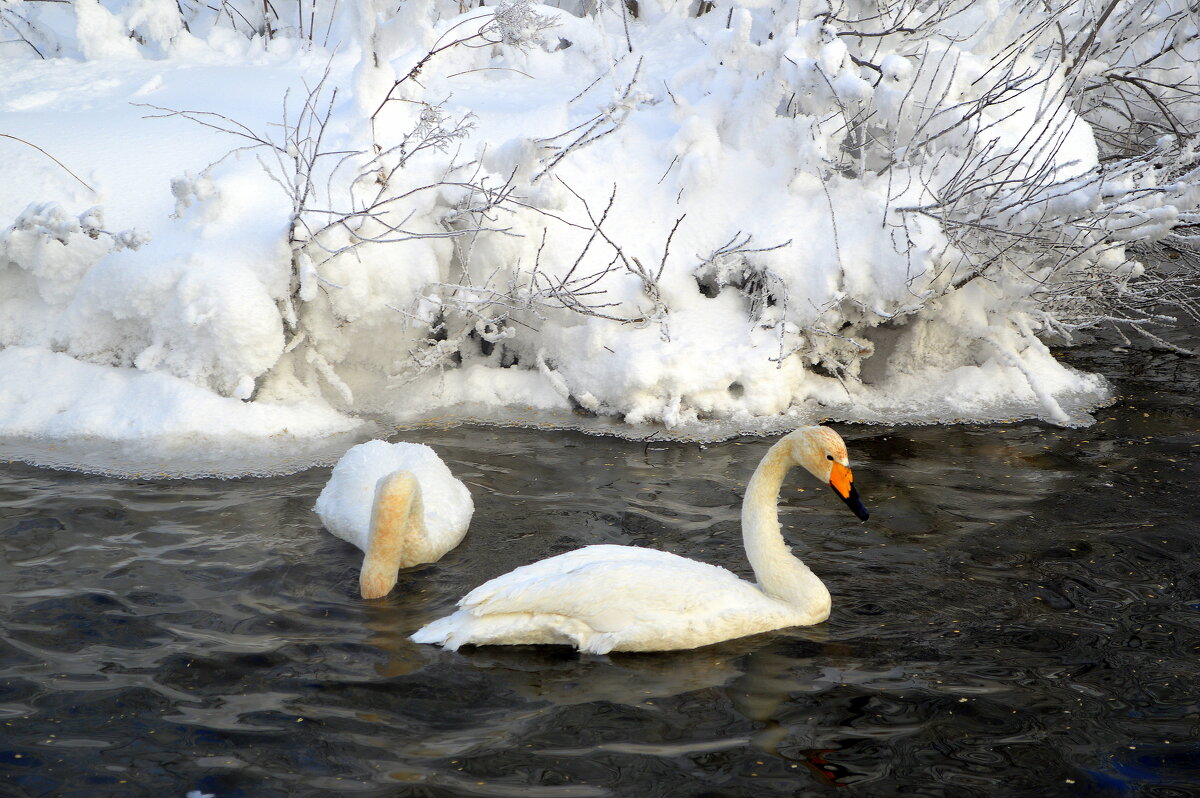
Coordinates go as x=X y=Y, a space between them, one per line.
x=579 y=409
x=885 y=337
x=736 y=390
x=486 y=347
x=825 y=369
x=762 y=288
x=708 y=285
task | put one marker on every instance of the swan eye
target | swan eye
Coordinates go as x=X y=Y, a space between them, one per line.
x=828 y=457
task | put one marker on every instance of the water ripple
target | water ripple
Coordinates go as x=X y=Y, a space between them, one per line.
x=1020 y=617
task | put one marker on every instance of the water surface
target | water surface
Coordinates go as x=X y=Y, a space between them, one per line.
x=1020 y=616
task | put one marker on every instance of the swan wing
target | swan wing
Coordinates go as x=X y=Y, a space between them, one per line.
x=611 y=598
x=611 y=588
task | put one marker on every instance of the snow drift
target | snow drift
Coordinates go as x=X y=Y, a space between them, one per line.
x=228 y=227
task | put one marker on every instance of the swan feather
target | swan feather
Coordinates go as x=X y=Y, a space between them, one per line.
x=602 y=597
x=346 y=502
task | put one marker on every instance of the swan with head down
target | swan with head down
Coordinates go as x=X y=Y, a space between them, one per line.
x=626 y=598
x=399 y=503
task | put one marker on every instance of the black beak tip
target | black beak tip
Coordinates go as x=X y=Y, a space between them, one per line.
x=855 y=504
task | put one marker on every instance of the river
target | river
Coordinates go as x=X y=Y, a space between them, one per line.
x=1020 y=617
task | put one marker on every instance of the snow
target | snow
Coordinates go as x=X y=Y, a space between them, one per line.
x=171 y=282
x=133 y=422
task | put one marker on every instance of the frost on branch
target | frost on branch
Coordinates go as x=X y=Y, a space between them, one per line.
x=56 y=249
x=516 y=24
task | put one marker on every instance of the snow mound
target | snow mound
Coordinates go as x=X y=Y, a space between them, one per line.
x=58 y=412
x=235 y=240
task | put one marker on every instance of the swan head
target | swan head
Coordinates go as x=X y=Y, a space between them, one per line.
x=821 y=452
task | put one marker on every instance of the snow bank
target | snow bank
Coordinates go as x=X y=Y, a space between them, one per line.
x=235 y=228
x=131 y=422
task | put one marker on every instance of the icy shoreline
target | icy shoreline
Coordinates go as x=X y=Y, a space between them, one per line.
x=147 y=426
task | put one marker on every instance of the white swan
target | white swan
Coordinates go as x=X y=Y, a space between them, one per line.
x=399 y=503
x=624 y=598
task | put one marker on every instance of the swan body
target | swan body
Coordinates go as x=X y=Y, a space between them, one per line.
x=626 y=598
x=399 y=503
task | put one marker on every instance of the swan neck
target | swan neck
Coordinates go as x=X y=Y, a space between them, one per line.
x=398 y=504
x=396 y=538
x=779 y=573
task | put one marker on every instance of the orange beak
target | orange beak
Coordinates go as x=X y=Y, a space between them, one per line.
x=842 y=482
x=840 y=479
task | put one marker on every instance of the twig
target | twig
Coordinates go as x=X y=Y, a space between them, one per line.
x=51 y=157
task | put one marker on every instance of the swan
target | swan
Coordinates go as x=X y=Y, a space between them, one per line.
x=626 y=598
x=399 y=503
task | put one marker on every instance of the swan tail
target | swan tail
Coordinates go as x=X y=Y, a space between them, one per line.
x=397 y=534
x=514 y=629
x=441 y=632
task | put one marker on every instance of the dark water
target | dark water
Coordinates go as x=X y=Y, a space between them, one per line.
x=1021 y=616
